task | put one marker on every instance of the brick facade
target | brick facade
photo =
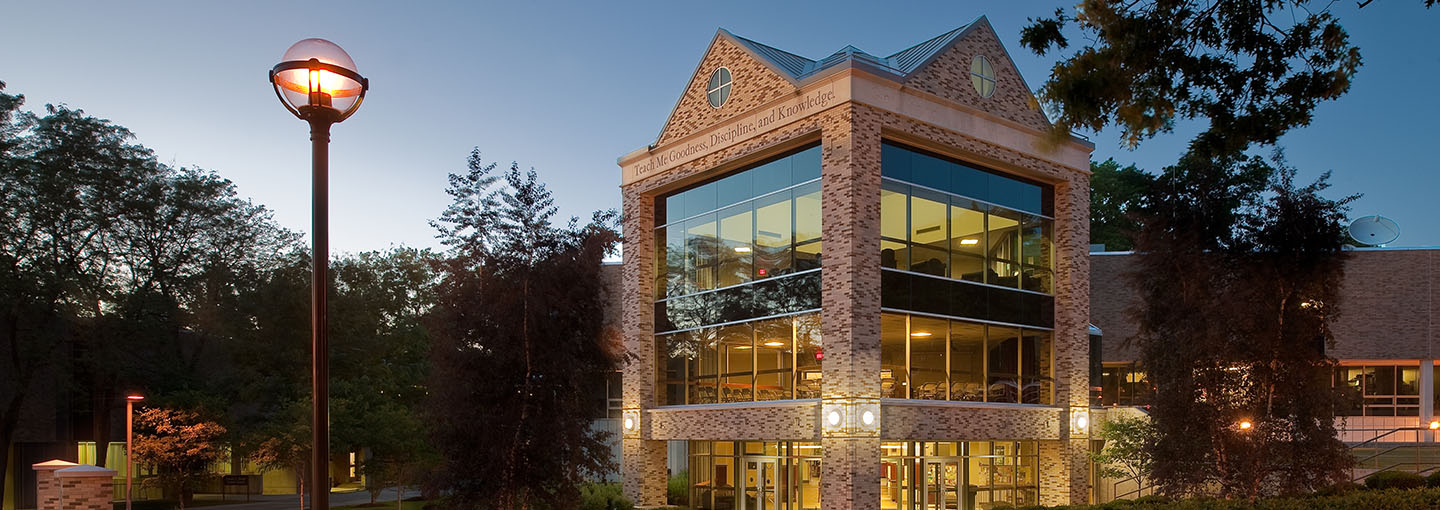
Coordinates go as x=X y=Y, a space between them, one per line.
x=850 y=135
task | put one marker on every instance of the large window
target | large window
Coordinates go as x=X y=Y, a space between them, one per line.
x=783 y=475
x=1124 y=384
x=740 y=247
x=769 y=359
x=958 y=474
x=1379 y=390
x=960 y=241
x=941 y=359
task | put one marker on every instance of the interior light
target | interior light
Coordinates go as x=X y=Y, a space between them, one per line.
x=920 y=334
x=1434 y=425
x=969 y=241
x=774 y=343
x=741 y=347
x=833 y=418
x=742 y=249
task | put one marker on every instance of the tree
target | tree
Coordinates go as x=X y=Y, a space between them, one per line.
x=1238 y=286
x=1117 y=196
x=1253 y=69
x=286 y=445
x=517 y=331
x=1126 y=455
x=180 y=445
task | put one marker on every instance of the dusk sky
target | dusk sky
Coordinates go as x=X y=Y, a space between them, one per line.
x=567 y=88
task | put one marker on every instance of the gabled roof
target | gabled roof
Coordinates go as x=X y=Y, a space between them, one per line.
x=901 y=63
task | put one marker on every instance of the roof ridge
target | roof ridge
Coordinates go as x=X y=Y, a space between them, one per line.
x=909 y=59
x=791 y=63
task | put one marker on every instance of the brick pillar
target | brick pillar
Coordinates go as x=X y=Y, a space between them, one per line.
x=1072 y=341
x=47 y=489
x=850 y=296
x=86 y=487
x=643 y=460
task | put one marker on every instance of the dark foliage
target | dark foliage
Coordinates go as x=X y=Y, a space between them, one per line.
x=1117 y=196
x=1238 y=289
x=517 y=333
x=1394 y=480
x=1253 y=68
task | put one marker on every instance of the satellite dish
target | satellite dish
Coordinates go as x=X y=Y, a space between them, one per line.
x=1374 y=230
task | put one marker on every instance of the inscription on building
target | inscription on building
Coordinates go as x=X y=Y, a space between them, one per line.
x=761 y=121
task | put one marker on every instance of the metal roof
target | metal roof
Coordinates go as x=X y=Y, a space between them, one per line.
x=901 y=63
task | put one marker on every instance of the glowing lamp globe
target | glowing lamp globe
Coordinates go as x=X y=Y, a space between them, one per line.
x=317 y=79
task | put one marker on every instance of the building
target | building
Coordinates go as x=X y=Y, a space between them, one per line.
x=1385 y=342
x=858 y=282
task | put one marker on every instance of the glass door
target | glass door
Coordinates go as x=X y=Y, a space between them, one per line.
x=760 y=484
x=941 y=485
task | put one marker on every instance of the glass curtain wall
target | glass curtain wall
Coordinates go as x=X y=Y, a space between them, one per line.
x=1379 y=390
x=754 y=475
x=1124 y=384
x=770 y=359
x=943 y=359
x=955 y=475
x=737 y=285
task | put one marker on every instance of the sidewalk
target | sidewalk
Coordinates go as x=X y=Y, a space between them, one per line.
x=291 y=501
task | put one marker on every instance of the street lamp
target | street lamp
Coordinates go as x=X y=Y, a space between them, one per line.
x=130 y=401
x=317 y=81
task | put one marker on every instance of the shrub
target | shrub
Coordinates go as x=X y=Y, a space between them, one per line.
x=678 y=490
x=603 y=496
x=147 y=504
x=1339 y=489
x=1153 y=499
x=1433 y=480
x=1394 y=480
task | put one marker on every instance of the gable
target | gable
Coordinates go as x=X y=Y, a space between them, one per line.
x=948 y=75
x=754 y=83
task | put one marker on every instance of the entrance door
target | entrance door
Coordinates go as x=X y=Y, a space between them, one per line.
x=760 y=484
x=941 y=484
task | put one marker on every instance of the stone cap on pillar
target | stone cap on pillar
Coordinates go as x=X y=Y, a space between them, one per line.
x=51 y=465
x=87 y=471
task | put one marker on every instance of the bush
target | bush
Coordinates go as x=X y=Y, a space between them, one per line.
x=1339 y=489
x=678 y=490
x=1394 y=480
x=603 y=496
x=1153 y=499
x=1433 y=480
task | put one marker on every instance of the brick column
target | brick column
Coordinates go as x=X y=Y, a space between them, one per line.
x=47 y=489
x=850 y=318
x=643 y=461
x=86 y=487
x=1072 y=342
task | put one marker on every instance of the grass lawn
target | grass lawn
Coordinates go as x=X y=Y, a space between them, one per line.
x=383 y=505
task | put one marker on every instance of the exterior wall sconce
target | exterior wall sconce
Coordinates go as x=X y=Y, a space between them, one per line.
x=1079 y=422
x=850 y=417
x=630 y=423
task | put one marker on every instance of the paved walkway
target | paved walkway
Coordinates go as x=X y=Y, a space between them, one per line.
x=292 y=502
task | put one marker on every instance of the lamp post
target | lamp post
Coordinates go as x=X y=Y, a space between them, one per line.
x=130 y=401
x=317 y=81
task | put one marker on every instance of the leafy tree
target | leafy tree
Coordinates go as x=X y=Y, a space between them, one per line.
x=180 y=445
x=286 y=445
x=1117 y=196
x=1126 y=454
x=517 y=331
x=1238 y=287
x=1253 y=68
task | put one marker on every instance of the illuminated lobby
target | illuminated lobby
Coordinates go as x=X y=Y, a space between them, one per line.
x=857 y=282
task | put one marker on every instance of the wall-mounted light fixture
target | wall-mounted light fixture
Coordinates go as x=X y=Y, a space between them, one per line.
x=630 y=423
x=1079 y=422
x=850 y=417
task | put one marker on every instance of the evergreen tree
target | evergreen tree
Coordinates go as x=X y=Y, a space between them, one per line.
x=517 y=342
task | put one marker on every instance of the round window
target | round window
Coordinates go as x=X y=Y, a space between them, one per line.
x=719 y=89
x=982 y=76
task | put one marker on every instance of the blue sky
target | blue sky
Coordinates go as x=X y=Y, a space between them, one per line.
x=568 y=87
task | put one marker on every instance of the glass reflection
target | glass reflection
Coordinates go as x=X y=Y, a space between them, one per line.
x=771 y=359
x=938 y=359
